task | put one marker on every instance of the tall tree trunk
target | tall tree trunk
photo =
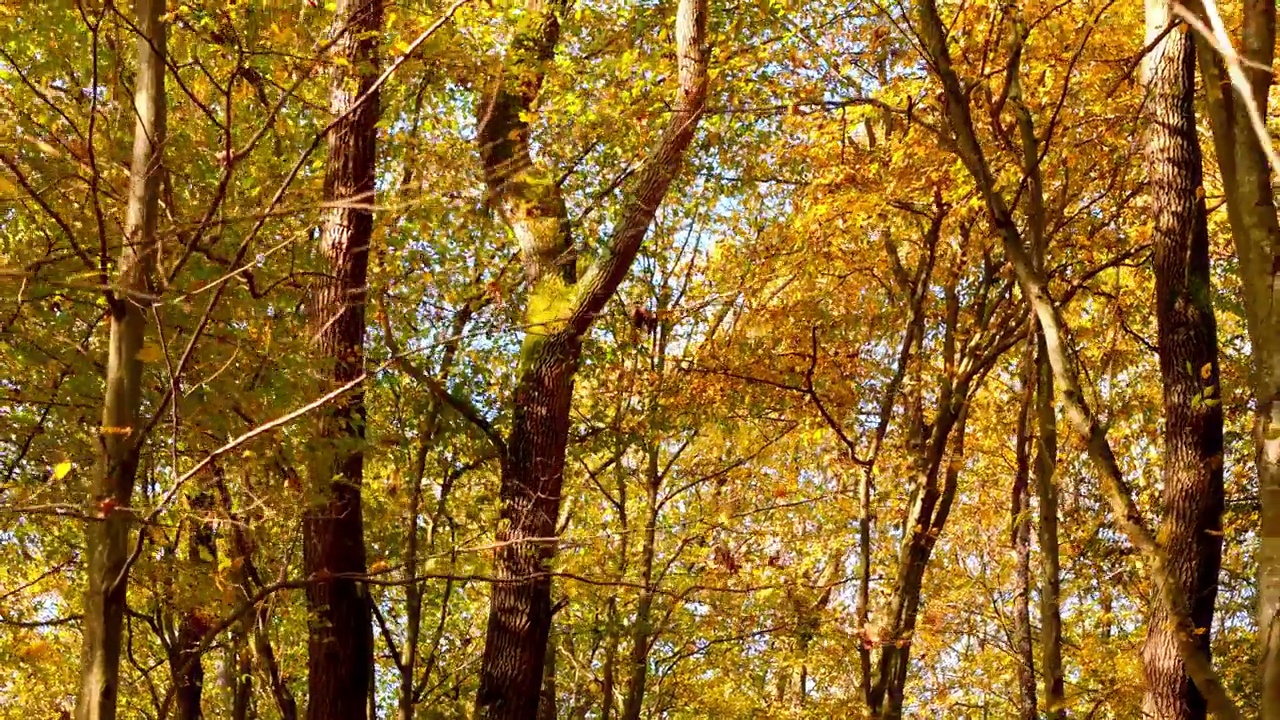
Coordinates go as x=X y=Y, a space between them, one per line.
x=613 y=621
x=1188 y=344
x=242 y=688
x=547 y=697
x=1046 y=458
x=107 y=540
x=184 y=656
x=560 y=309
x=642 y=629
x=340 y=638
x=1024 y=648
x=1046 y=462
x=1251 y=210
x=926 y=522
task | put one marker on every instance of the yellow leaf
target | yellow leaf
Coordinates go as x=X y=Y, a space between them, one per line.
x=61 y=469
x=1207 y=371
x=150 y=352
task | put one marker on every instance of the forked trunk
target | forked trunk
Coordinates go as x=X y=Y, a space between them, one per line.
x=560 y=309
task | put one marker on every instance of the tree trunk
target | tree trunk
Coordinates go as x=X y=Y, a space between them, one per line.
x=1046 y=458
x=559 y=311
x=340 y=638
x=1024 y=648
x=107 y=540
x=1188 y=344
x=613 y=621
x=532 y=476
x=1251 y=210
x=1046 y=462
x=547 y=697
x=242 y=688
x=642 y=630
x=927 y=520
x=184 y=656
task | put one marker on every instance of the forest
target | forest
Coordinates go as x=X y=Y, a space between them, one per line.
x=637 y=359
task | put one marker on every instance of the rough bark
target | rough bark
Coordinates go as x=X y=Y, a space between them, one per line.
x=340 y=639
x=559 y=311
x=107 y=540
x=1065 y=373
x=1251 y=211
x=1188 y=345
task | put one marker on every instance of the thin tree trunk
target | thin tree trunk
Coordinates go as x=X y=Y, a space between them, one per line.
x=107 y=541
x=340 y=638
x=927 y=520
x=253 y=628
x=1024 y=648
x=1046 y=462
x=242 y=688
x=547 y=697
x=1251 y=210
x=184 y=656
x=1188 y=344
x=560 y=310
x=642 y=629
x=612 y=620
x=1046 y=458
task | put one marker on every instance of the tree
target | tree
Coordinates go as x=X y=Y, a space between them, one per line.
x=107 y=536
x=1193 y=493
x=340 y=641
x=1251 y=209
x=559 y=311
x=1065 y=373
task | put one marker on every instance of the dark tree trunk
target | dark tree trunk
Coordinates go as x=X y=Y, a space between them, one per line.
x=1188 y=344
x=927 y=521
x=1251 y=208
x=547 y=709
x=242 y=687
x=340 y=640
x=1024 y=648
x=532 y=476
x=184 y=657
x=560 y=309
